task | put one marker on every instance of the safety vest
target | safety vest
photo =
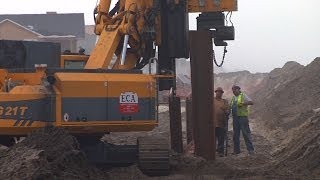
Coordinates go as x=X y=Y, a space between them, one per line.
x=241 y=110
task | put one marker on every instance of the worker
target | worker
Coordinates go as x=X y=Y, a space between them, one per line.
x=221 y=112
x=239 y=107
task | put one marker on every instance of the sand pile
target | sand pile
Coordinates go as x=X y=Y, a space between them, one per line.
x=299 y=154
x=289 y=108
x=48 y=153
x=290 y=95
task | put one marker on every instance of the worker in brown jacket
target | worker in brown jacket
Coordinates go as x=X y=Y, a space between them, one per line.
x=221 y=112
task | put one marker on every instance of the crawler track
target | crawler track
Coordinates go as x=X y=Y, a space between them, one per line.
x=153 y=156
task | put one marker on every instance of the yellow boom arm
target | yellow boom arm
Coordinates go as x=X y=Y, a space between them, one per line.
x=136 y=24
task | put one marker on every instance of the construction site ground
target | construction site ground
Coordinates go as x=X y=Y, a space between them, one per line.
x=285 y=128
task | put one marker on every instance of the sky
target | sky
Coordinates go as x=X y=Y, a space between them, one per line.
x=268 y=33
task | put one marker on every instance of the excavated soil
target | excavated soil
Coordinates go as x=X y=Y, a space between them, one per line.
x=48 y=153
x=289 y=96
x=288 y=111
x=299 y=154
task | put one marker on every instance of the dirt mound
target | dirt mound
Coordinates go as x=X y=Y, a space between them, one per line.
x=288 y=108
x=299 y=154
x=289 y=96
x=47 y=153
x=249 y=82
x=276 y=79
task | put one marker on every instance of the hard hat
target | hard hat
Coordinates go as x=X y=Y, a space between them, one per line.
x=236 y=87
x=219 y=89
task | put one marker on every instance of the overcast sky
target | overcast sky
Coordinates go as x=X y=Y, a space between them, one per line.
x=268 y=33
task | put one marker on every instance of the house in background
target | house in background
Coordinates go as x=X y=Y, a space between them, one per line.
x=66 y=29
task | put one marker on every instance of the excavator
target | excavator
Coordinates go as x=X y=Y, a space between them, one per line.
x=102 y=97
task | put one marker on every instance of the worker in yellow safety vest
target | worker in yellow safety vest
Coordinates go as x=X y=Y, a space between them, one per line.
x=240 y=112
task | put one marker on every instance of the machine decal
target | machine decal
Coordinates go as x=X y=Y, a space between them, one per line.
x=24 y=122
x=13 y=111
x=31 y=110
x=129 y=103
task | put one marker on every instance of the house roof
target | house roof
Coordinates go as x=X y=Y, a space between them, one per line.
x=51 y=24
x=19 y=25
